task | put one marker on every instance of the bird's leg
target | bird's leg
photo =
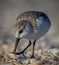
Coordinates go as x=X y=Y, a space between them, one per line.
x=33 y=49
x=16 y=44
x=26 y=47
x=22 y=52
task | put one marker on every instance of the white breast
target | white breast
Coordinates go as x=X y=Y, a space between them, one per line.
x=43 y=26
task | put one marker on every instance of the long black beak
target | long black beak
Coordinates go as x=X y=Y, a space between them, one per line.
x=16 y=44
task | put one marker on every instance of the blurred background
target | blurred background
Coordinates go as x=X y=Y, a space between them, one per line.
x=10 y=9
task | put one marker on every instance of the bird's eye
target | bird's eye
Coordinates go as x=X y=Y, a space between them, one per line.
x=20 y=31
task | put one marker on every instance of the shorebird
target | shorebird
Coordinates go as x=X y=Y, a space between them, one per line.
x=30 y=25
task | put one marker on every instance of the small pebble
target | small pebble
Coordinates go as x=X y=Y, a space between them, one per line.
x=37 y=63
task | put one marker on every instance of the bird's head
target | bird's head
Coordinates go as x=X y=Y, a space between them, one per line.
x=22 y=28
x=18 y=29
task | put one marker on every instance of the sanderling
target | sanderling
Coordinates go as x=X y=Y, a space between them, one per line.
x=30 y=25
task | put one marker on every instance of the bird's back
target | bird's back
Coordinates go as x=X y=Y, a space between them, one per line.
x=31 y=16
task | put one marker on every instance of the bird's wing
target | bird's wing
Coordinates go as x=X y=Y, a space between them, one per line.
x=29 y=16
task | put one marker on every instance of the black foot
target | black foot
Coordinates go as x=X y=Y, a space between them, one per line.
x=32 y=56
x=24 y=56
x=18 y=53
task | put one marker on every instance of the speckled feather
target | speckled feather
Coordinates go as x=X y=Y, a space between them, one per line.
x=31 y=16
